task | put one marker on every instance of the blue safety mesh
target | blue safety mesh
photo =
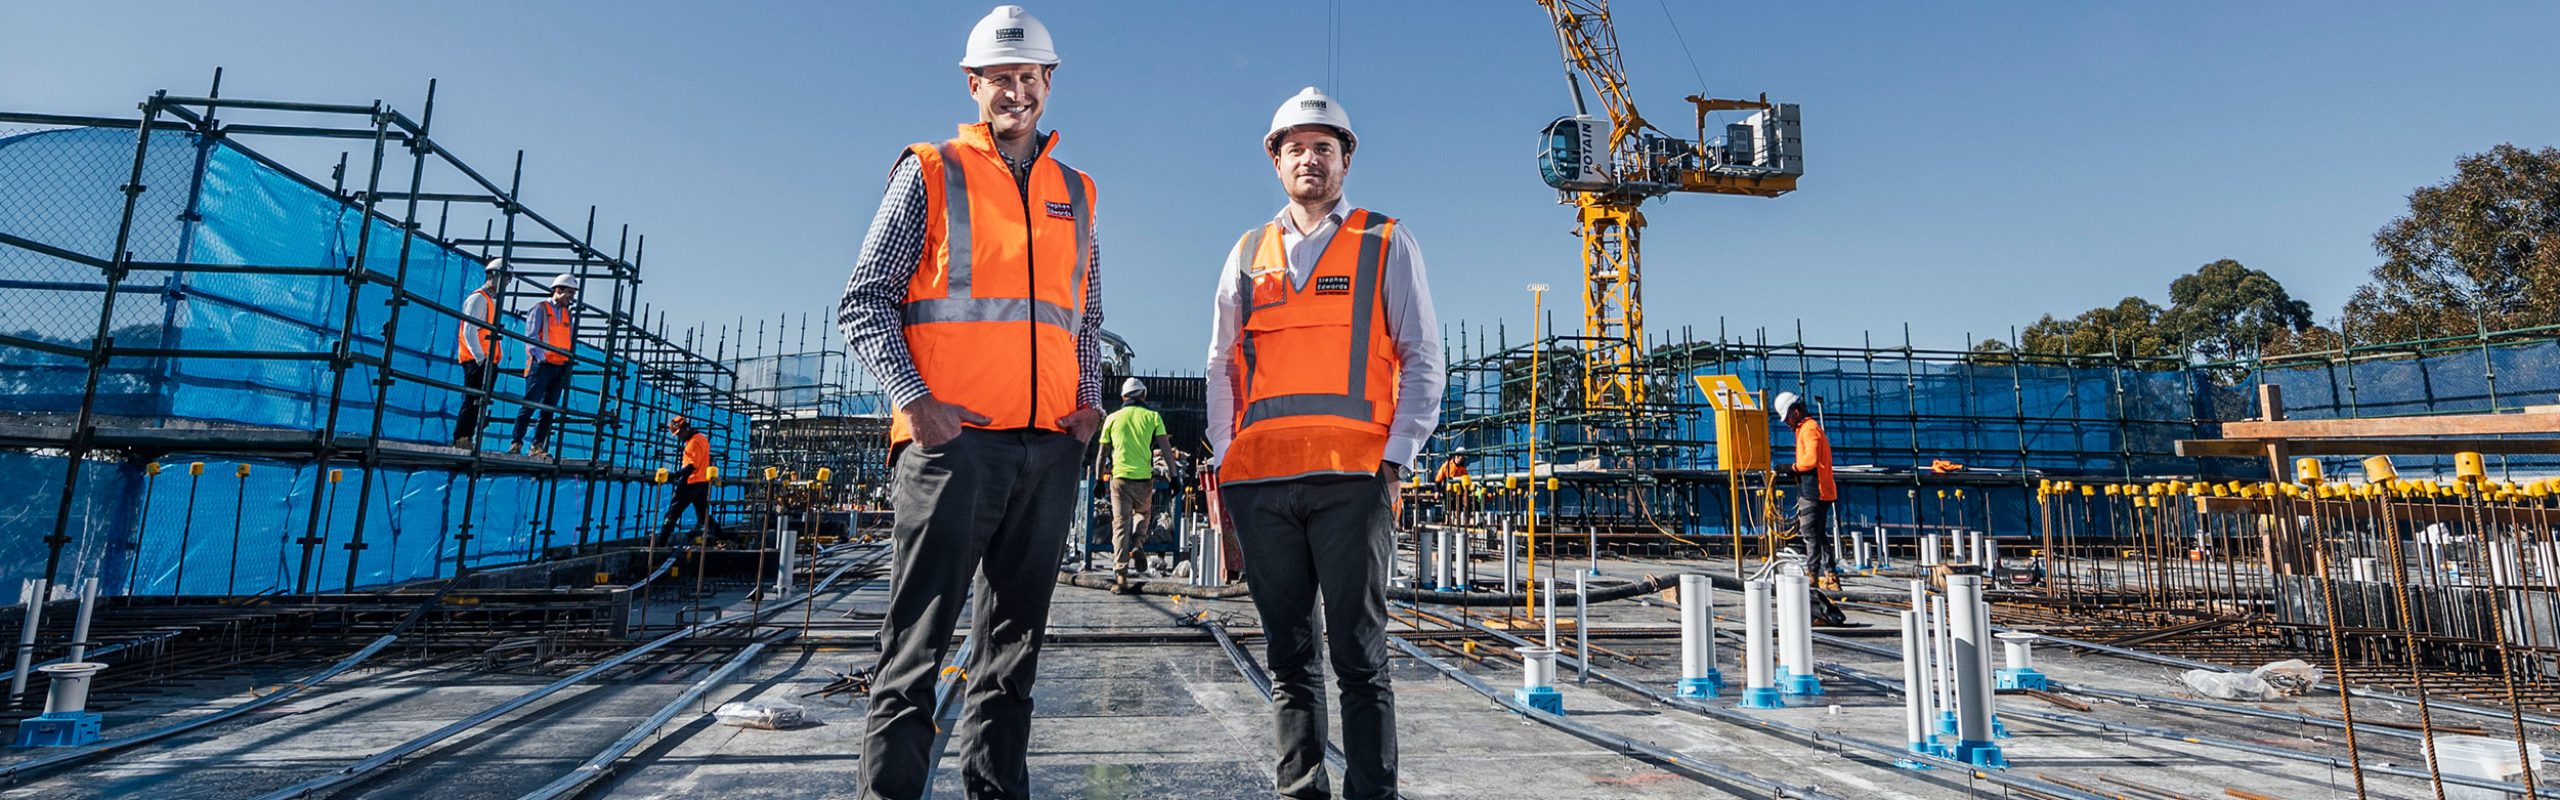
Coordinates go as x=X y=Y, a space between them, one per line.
x=254 y=350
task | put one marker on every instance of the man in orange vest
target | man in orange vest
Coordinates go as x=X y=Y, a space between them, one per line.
x=976 y=301
x=1324 y=382
x=476 y=346
x=692 y=478
x=1815 y=490
x=554 y=324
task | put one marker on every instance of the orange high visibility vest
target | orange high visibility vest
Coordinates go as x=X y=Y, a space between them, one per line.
x=993 y=310
x=552 y=323
x=697 y=454
x=487 y=337
x=1318 y=367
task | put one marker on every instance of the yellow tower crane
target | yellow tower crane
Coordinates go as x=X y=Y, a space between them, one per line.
x=1608 y=168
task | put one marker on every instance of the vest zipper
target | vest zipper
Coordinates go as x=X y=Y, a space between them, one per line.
x=1031 y=284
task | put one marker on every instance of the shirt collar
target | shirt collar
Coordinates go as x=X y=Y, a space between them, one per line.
x=1341 y=208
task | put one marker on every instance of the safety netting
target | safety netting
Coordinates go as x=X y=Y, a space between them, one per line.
x=280 y=320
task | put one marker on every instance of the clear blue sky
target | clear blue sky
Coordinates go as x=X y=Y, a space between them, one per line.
x=1969 y=166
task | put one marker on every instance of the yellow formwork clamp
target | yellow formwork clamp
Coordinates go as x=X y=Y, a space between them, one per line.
x=196 y=468
x=241 y=470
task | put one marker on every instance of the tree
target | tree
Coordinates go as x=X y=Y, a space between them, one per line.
x=2129 y=329
x=2225 y=310
x=2481 y=251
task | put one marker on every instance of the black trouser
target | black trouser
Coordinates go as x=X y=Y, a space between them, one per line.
x=542 y=384
x=1813 y=528
x=1328 y=539
x=483 y=376
x=698 y=497
x=988 y=505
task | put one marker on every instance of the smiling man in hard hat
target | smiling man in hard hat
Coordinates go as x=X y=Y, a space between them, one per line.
x=554 y=326
x=1324 y=383
x=977 y=303
x=1132 y=439
x=1815 y=491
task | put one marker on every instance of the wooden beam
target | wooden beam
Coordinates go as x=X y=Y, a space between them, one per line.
x=2453 y=425
x=2426 y=446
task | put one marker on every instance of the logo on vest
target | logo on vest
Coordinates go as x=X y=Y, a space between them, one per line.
x=1061 y=211
x=1008 y=35
x=1333 y=284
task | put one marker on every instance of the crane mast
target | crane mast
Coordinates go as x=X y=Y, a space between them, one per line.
x=1608 y=169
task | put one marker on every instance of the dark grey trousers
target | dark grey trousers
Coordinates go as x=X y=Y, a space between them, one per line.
x=1332 y=540
x=990 y=506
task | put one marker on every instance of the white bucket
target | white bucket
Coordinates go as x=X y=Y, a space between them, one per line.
x=2481 y=757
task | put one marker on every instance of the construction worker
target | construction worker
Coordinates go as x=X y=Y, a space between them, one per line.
x=1324 y=382
x=476 y=346
x=554 y=325
x=976 y=302
x=1815 y=491
x=1451 y=468
x=692 y=478
x=1129 y=436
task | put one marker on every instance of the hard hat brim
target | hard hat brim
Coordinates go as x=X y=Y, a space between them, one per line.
x=998 y=61
x=1350 y=142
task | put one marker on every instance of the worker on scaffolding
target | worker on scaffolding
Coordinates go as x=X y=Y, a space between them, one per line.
x=692 y=478
x=554 y=325
x=1452 y=468
x=1325 y=380
x=1815 y=491
x=476 y=346
x=1129 y=436
x=976 y=301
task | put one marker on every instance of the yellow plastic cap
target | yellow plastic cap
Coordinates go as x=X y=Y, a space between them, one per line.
x=662 y=475
x=334 y=475
x=2378 y=469
x=826 y=474
x=2469 y=466
x=771 y=472
x=2306 y=470
x=196 y=468
x=241 y=470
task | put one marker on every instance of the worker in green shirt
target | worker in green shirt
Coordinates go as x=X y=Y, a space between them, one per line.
x=1131 y=438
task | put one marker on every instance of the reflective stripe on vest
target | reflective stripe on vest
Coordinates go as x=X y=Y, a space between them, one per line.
x=1283 y=434
x=488 y=336
x=1000 y=338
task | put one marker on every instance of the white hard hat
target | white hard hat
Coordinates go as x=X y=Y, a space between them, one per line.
x=1132 y=386
x=1008 y=35
x=494 y=265
x=1310 y=107
x=564 y=279
x=1785 y=402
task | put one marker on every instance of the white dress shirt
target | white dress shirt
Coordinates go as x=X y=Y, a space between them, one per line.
x=1410 y=322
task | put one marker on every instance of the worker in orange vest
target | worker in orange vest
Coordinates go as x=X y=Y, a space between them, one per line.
x=1325 y=378
x=976 y=301
x=554 y=326
x=692 y=478
x=1815 y=490
x=477 y=347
